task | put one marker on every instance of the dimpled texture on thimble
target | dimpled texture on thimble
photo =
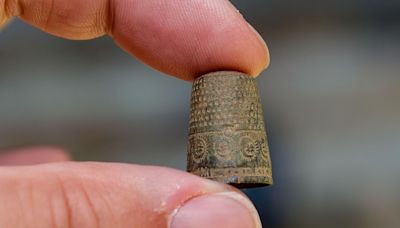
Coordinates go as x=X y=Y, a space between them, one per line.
x=227 y=138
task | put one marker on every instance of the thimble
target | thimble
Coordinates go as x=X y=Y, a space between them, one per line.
x=227 y=139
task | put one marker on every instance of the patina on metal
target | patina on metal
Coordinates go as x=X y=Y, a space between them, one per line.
x=227 y=138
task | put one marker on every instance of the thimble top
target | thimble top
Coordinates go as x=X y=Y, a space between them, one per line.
x=225 y=100
x=227 y=139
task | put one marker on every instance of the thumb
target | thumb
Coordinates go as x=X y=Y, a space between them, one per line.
x=32 y=156
x=73 y=194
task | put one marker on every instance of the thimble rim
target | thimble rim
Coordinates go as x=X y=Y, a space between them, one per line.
x=250 y=185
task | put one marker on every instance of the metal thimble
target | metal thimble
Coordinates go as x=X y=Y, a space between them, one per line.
x=227 y=138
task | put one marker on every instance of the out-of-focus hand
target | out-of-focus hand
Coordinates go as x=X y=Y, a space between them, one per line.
x=40 y=188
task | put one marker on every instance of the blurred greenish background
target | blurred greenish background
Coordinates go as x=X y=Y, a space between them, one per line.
x=331 y=101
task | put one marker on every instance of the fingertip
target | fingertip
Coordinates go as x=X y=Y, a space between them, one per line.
x=191 y=38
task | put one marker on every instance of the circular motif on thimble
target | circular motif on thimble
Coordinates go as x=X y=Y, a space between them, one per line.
x=265 y=150
x=250 y=148
x=222 y=148
x=198 y=148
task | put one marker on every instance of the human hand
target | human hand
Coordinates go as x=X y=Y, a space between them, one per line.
x=181 y=38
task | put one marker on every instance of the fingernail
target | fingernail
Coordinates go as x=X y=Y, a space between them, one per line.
x=258 y=35
x=262 y=42
x=226 y=209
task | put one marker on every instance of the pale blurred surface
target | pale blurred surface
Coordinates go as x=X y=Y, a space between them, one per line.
x=331 y=101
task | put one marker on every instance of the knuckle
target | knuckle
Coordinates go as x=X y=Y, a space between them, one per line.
x=2 y=12
x=8 y=9
x=72 y=203
x=47 y=199
x=11 y=7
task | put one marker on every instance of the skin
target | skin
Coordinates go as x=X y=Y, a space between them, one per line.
x=39 y=187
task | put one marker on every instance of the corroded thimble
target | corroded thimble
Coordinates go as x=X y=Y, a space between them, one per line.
x=227 y=138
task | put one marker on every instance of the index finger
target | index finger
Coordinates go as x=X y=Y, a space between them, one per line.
x=181 y=38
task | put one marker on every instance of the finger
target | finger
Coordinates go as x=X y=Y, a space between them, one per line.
x=117 y=195
x=32 y=156
x=180 y=38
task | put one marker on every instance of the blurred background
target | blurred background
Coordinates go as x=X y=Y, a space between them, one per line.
x=331 y=101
